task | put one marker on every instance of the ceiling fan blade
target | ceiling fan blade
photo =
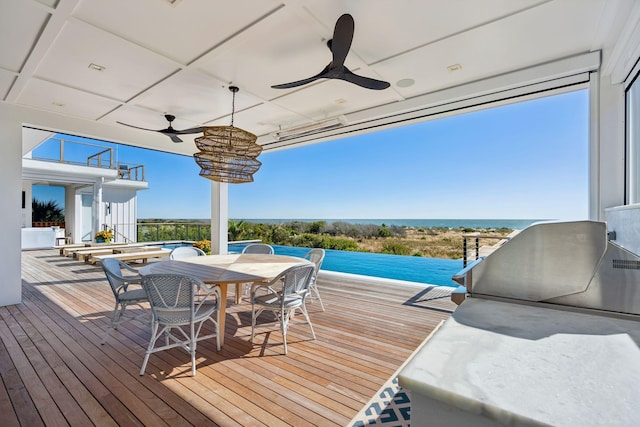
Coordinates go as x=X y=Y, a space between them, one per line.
x=138 y=127
x=187 y=131
x=320 y=75
x=294 y=84
x=170 y=131
x=342 y=38
x=365 y=82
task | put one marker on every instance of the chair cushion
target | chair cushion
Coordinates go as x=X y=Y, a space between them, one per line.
x=134 y=295
x=273 y=300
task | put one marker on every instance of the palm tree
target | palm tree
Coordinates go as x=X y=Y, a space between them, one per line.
x=236 y=230
x=46 y=211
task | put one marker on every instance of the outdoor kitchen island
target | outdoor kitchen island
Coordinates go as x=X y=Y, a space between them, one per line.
x=549 y=334
x=501 y=363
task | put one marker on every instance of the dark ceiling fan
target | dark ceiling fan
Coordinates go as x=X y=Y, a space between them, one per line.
x=170 y=131
x=339 y=46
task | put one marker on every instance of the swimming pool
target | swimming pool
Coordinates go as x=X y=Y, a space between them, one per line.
x=434 y=271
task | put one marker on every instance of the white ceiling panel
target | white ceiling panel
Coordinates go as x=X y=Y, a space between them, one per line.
x=182 y=32
x=333 y=98
x=129 y=69
x=263 y=119
x=19 y=31
x=486 y=51
x=194 y=96
x=393 y=27
x=143 y=117
x=49 y=3
x=65 y=100
x=6 y=80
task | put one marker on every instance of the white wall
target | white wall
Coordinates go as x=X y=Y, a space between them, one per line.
x=121 y=214
x=11 y=211
x=625 y=221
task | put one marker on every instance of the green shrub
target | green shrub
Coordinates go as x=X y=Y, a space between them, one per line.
x=395 y=248
x=384 y=232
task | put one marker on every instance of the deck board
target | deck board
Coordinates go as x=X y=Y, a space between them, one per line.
x=55 y=371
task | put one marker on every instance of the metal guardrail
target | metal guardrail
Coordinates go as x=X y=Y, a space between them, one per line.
x=476 y=238
x=85 y=154
x=98 y=157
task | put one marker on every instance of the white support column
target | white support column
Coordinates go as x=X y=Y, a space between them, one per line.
x=97 y=211
x=607 y=135
x=219 y=217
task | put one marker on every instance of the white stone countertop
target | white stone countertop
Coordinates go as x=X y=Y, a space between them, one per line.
x=530 y=365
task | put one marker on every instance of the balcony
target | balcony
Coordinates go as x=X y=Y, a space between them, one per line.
x=76 y=153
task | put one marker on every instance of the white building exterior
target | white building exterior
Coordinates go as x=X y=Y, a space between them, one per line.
x=96 y=198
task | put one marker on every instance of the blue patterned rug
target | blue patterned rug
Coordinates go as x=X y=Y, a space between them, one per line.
x=390 y=407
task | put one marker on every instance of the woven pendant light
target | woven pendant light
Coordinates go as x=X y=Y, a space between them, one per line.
x=227 y=153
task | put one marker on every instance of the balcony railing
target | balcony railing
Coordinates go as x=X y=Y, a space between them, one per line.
x=86 y=154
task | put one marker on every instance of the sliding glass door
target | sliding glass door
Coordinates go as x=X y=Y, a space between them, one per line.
x=633 y=140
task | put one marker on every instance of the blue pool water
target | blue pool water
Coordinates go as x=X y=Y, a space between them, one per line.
x=434 y=271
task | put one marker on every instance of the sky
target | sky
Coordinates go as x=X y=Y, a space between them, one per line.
x=527 y=160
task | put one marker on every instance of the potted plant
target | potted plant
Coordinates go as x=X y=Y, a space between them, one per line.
x=205 y=245
x=104 y=236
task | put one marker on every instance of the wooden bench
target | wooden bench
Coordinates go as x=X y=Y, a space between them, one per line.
x=76 y=252
x=70 y=246
x=86 y=256
x=133 y=256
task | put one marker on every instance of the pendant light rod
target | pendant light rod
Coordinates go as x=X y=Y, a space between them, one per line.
x=234 y=90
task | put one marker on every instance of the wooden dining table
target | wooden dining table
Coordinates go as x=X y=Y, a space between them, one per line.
x=222 y=270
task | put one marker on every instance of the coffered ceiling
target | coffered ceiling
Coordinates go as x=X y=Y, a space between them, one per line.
x=135 y=60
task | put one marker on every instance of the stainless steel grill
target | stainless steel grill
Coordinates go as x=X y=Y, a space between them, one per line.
x=563 y=263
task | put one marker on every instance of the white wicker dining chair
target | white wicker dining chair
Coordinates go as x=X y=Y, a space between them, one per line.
x=120 y=277
x=185 y=252
x=252 y=248
x=258 y=248
x=282 y=296
x=316 y=256
x=180 y=306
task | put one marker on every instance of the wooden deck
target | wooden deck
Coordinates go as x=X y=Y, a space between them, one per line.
x=55 y=372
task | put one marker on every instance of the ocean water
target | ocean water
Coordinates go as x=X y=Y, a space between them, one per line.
x=433 y=271
x=516 y=224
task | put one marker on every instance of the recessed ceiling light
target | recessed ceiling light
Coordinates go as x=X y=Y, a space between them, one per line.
x=340 y=101
x=454 y=67
x=405 y=82
x=96 y=67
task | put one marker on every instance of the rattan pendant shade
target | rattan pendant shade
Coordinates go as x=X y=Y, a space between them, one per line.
x=227 y=153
